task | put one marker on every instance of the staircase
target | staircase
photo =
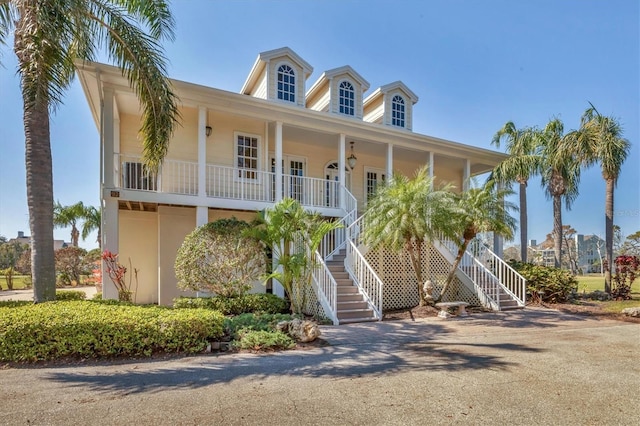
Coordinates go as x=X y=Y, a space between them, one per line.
x=351 y=304
x=504 y=300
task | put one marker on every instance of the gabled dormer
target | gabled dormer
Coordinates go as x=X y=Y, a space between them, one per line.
x=391 y=105
x=339 y=91
x=279 y=75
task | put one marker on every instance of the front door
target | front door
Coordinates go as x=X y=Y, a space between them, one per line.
x=293 y=170
x=332 y=174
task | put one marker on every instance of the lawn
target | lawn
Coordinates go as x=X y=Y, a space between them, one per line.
x=19 y=282
x=593 y=282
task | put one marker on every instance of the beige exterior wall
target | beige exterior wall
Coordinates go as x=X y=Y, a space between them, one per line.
x=174 y=223
x=448 y=170
x=138 y=237
x=320 y=100
x=273 y=65
x=374 y=111
x=260 y=90
x=221 y=144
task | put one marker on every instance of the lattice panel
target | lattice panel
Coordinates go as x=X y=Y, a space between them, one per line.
x=400 y=286
x=311 y=304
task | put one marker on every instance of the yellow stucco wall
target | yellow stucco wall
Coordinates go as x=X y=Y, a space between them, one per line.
x=138 y=243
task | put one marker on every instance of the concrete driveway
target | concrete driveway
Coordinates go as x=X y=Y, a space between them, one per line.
x=522 y=368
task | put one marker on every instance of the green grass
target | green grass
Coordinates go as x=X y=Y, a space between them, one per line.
x=19 y=282
x=592 y=282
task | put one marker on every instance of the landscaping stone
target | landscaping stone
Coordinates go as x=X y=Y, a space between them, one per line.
x=631 y=312
x=301 y=331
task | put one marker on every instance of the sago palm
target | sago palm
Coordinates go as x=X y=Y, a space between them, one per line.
x=49 y=37
x=523 y=163
x=602 y=142
x=403 y=214
x=477 y=210
x=64 y=216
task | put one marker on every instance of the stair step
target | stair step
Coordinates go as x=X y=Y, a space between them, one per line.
x=510 y=308
x=347 y=290
x=340 y=275
x=344 y=282
x=348 y=297
x=354 y=313
x=354 y=320
x=352 y=305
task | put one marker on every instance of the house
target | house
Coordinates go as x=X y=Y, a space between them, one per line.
x=327 y=146
x=23 y=239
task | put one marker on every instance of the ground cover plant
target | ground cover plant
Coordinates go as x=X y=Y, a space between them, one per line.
x=255 y=303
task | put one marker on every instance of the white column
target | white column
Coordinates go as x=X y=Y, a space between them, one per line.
x=466 y=175
x=341 y=174
x=107 y=127
x=202 y=215
x=202 y=152
x=110 y=241
x=389 y=161
x=431 y=168
x=278 y=161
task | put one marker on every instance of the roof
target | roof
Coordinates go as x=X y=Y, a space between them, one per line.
x=388 y=88
x=264 y=58
x=328 y=75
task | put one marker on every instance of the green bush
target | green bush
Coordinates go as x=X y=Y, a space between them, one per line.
x=234 y=326
x=57 y=330
x=71 y=295
x=264 y=340
x=547 y=284
x=248 y=303
x=97 y=296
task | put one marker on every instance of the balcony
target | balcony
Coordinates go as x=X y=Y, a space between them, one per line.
x=257 y=188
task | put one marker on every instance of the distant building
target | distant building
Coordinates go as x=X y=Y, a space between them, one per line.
x=22 y=239
x=585 y=249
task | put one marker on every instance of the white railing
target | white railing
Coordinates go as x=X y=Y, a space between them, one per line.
x=335 y=240
x=179 y=177
x=133 y=174
x=363 y=275
x=327 y=288
x=240 y=184
x=311 y=192
x=174 y=176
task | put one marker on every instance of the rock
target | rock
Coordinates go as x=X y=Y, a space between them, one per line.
x=302 y=331
x=631 y=312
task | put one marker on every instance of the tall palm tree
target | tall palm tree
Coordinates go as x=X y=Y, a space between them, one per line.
x=560 y=170
x=49 y=37
x=602 y=142
x=92 y=221
x=64 y=216
x=523 y=162
x=477 y=210
x=405 y=212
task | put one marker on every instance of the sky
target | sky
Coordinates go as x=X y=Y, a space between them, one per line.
x=474 y=65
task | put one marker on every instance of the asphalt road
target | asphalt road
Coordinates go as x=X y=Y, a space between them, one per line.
x=531 y=367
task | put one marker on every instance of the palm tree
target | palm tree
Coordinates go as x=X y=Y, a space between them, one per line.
x=602 y=142
x=519 y=167
x=49 y=37
x=477 y=210
x=64 y=216
x=405 y=212
x=560 y=170
x=92 y=221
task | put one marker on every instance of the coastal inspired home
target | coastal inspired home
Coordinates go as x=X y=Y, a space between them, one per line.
x=328 y=147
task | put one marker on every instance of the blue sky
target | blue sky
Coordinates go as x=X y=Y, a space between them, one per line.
x=474 y=65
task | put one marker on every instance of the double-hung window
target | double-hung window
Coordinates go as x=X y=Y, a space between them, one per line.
x=247 y=155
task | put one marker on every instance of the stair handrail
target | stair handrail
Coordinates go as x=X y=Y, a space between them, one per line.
x=335 y=240
x=326 y=288
x=365 y=278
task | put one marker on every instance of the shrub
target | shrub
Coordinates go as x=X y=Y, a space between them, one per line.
x=234 y=326
x=264 y=340
x=547 y=284
x=218 y=258
x=248 y=303
x=627 y=268
x=56 y=330
x=71 y=295
x=97 y=296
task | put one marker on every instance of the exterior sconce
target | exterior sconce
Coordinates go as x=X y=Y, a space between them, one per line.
x=351 y=160
x=207 y=131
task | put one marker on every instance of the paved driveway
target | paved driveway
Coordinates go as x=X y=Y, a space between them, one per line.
x=529 y=367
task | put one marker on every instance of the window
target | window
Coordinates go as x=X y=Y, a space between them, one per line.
x=373 y=179
x=397 y=111
x=247 y=156
x=286 y=83
x=347 y=95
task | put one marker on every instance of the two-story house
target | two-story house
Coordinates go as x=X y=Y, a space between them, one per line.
x=327 y=146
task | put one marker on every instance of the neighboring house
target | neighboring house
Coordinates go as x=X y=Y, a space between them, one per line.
x=328 y=147
x=591 y=252
x=22 y=239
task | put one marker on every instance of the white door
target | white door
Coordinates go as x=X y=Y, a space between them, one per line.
x=294 y=171
x=332 y=174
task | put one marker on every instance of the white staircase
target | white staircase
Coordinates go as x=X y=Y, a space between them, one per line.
x=351 y=304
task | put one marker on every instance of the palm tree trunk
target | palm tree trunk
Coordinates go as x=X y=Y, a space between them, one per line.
x=454 y=268
x=75 y=236
x=523 y=221
x=557 y=230
x=40 y=199
x=415 y=255
x=608 y=213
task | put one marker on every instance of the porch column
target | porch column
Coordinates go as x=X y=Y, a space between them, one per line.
x=341 y=174
x=202 y=152
x=278 y=161
x=466 y=174
x=110 y=240
x=389 y=161
x=431 y=168
x=108 y=133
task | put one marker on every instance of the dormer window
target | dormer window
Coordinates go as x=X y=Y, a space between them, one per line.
x=347 y=96
x=397 y=111
x=286 y=83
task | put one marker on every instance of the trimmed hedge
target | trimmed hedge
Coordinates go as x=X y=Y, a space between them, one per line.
x=57 y=330
x=70 y=295
x=248 y=303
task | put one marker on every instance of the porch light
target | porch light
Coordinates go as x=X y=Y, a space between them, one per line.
x=351 y=160
x=207 y=131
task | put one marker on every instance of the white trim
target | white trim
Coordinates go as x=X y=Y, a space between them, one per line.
x=379 y=179
x=276 y=68
x=259 y=165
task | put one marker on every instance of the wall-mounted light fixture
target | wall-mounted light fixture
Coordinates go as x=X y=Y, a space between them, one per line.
x=351 y=160
x=207 y=131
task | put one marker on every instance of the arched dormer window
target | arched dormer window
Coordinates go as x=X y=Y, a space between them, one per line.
x=397 y=111
x=347 y=96
x=286 y=83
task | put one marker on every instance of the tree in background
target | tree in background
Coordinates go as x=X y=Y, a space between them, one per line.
x=71 y=265
x=64 y=216
x=602 y=143
x=92 y=221
x=405 y=212
x=49 y=37
x=631 y=245
x=523 y=163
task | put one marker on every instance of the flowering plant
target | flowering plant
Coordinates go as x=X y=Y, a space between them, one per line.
x=117 y=273
x=627 y=268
